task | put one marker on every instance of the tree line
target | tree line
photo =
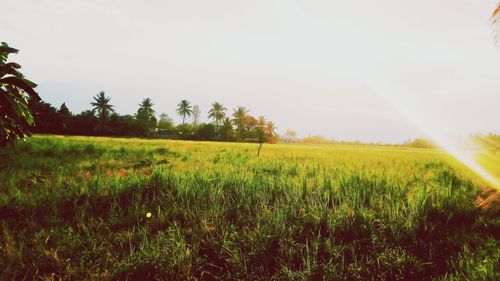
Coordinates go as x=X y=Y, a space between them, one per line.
x=22 y=112
x=102 y=120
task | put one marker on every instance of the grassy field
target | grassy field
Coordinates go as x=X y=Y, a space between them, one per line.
x=116 y=209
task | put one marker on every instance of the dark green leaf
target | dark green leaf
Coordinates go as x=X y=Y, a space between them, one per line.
x=6 y=49
x=22 y=84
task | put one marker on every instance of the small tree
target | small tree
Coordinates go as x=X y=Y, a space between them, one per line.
x=205 y=132
x=165 y=124
x=64 y=111
x=65 y=117
x=196 y=115
x=226 y=131
x=46 y=117
x=261 y=133
x=15 y=115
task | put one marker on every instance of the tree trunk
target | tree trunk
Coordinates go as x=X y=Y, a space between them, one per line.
x=260 y=147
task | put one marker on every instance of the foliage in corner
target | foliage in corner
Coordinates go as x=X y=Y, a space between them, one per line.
x=15 y=116
x=496 y=14
x=495 y=17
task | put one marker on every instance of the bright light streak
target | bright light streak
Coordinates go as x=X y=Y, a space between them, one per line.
x=461 y=147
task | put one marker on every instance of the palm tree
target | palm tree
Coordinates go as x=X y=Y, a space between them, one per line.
x=184 y=109
x=217 y=112
x=102 y=106
x=270 y=128
x=146 y=116
x=239 y=117
x=261 y=123
x=15 y=115
x=271 y=135
x=147 y=106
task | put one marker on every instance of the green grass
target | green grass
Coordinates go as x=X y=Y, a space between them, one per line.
x=75 y=208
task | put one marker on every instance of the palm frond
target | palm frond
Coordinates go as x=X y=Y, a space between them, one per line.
x=495 y=20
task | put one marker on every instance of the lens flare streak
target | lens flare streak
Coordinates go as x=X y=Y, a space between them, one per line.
x=463 y=149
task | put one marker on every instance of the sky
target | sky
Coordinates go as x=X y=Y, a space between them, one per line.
x=377 y=71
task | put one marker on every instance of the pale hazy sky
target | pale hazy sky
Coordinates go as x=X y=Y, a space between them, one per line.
x=350 y=69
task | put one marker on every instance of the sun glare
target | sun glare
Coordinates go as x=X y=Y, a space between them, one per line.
x=462 y=147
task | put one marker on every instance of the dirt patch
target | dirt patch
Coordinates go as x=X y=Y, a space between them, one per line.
x=116 y=172
x=119 y=172
x=86 y=175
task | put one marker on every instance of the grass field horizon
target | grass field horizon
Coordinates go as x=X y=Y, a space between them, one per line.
x=135 y=209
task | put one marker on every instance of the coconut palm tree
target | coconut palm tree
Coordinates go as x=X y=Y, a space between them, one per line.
x=102 y=106
x=239 y=115
x=270 y=128
x=15 y=115
x=261 y=123
x=147 y=106
x=271 y=135
x=146 y=116
x=217 y=112
x=239 y=118
x=184 y=110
